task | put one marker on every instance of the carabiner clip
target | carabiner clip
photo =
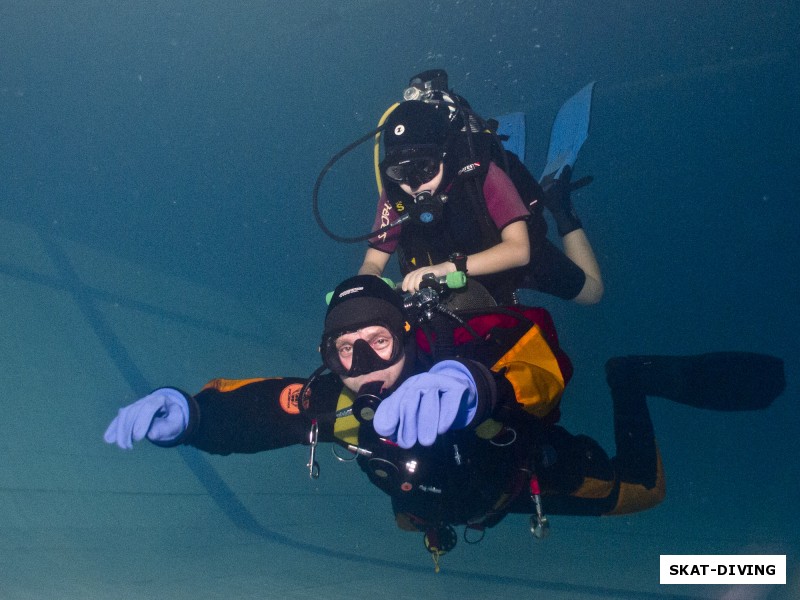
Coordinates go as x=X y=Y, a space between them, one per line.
x=313 y=436
x=540 y=526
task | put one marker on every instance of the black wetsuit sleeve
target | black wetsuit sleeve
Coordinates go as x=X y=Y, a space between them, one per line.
x=256 y=415
x=486 y=388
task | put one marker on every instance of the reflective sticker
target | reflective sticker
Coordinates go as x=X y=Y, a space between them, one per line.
x=289 y=397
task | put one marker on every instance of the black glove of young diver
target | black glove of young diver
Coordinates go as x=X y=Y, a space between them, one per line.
x=557 y=200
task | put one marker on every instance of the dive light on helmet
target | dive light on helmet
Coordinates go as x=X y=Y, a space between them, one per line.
x=423 y=85
x=412 y=93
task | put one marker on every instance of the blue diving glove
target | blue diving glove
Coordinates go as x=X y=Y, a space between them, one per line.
x=428 y=404
x=162 y=417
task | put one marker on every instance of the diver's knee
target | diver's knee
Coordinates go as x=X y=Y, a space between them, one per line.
x=635 y=497
x=621 y=371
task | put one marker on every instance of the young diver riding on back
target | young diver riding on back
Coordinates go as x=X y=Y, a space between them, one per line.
x=462 y=202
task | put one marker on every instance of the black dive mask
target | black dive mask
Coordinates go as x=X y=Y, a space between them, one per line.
x=365 y=359
x=414 y=172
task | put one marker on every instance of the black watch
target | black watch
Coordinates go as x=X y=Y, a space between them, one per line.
x=459 y=259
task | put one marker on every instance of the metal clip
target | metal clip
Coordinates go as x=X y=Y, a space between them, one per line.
x=457 y=455
x=509 y=437
x=540 y=526
x=313 y=436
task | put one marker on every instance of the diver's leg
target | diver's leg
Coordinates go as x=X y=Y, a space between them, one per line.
x=718 y=381
x=727 y=381
x=637 y=464
x=636 y=457
x=550 y=271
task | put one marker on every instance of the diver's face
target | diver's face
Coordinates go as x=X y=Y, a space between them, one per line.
x=378 y=337
x=381 y=341
x=428 y=186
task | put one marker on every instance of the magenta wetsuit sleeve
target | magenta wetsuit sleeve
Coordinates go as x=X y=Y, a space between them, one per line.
x=502 y=199
x=385 y=214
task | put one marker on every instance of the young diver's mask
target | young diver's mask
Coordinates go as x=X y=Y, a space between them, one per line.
x=414 y=171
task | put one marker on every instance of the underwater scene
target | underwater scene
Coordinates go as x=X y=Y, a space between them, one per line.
x=160 y=199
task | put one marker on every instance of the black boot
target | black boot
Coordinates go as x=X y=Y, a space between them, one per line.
x=726 y=381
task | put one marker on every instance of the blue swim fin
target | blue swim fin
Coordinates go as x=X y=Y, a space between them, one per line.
x=569 y=132
x=512 y=126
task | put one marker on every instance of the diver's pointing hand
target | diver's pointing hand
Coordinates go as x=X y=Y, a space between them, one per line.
x=161 y=416
x=427 y=405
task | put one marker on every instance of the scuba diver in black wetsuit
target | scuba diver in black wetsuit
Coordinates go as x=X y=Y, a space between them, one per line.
x=452 y=411
x=453 y=199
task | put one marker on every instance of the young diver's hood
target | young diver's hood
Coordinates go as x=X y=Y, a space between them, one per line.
x=416 y=127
